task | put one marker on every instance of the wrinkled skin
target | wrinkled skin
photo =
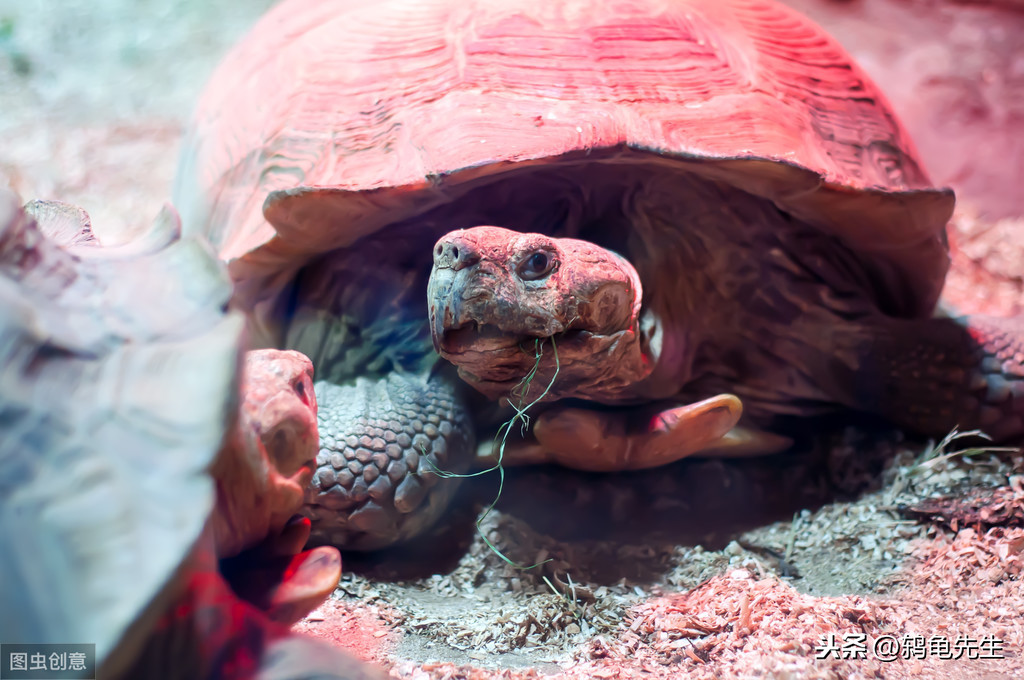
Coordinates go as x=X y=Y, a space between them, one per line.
x=267 y=466
x=494 y=291
x=499 y=300
x=262 y=475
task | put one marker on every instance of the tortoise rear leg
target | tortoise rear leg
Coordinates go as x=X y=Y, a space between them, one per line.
x=933 y=375
x=380 y=444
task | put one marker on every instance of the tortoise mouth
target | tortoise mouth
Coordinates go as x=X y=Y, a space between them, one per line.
x=475 y=337
x=484 y=353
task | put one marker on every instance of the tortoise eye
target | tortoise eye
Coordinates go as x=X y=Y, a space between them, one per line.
x=536 y=266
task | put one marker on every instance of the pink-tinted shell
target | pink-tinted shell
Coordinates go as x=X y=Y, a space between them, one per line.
x=349 y=115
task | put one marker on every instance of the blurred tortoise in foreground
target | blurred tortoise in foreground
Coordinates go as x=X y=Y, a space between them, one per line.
x=128 y=465
x=692 y=203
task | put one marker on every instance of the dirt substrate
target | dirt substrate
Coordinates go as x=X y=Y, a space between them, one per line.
x=709 y=569
x=696 y=596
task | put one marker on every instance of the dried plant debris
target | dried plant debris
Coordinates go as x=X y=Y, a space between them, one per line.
x=738 y=615
x=978 y=508
x=970 y=560
x=487 y=607
x=940 y=620
x=739 y=625
x=763 y=605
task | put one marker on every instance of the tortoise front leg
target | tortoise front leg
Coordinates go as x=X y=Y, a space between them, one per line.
x=381 y=442
x=634 y=438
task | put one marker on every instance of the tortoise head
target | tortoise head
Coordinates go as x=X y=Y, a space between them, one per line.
x=499 y=298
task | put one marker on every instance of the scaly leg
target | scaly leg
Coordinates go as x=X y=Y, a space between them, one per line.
x=936 y=374
x=381 y=442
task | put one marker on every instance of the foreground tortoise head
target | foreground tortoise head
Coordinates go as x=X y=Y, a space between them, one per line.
x=665 y=208
x=129 y=466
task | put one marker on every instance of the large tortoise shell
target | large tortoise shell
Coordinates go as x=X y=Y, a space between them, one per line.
x=334 y=118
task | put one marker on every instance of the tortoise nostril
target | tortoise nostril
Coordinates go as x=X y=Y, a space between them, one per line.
x=454 y=253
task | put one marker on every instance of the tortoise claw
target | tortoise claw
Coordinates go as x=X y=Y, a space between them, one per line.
x=285 y=583
x=308 y=579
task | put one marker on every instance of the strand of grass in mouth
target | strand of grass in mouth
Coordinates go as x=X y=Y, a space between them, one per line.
x=521 y=415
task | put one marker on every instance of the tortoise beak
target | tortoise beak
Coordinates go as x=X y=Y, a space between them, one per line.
x=443 y=303
x=455 y=328
x=453 y=253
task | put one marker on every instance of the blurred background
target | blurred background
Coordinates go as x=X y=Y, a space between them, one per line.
x=94 y=95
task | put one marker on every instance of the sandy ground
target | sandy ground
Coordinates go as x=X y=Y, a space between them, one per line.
x=709 y=569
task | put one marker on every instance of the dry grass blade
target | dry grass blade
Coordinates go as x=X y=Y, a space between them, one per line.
x=520 y=391
x=938 y=454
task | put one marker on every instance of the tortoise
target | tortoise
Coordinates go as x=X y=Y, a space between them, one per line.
x=690 y=220
x=130 y=465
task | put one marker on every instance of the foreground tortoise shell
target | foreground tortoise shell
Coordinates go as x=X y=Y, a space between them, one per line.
x=340 y=140
x=129 y=465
